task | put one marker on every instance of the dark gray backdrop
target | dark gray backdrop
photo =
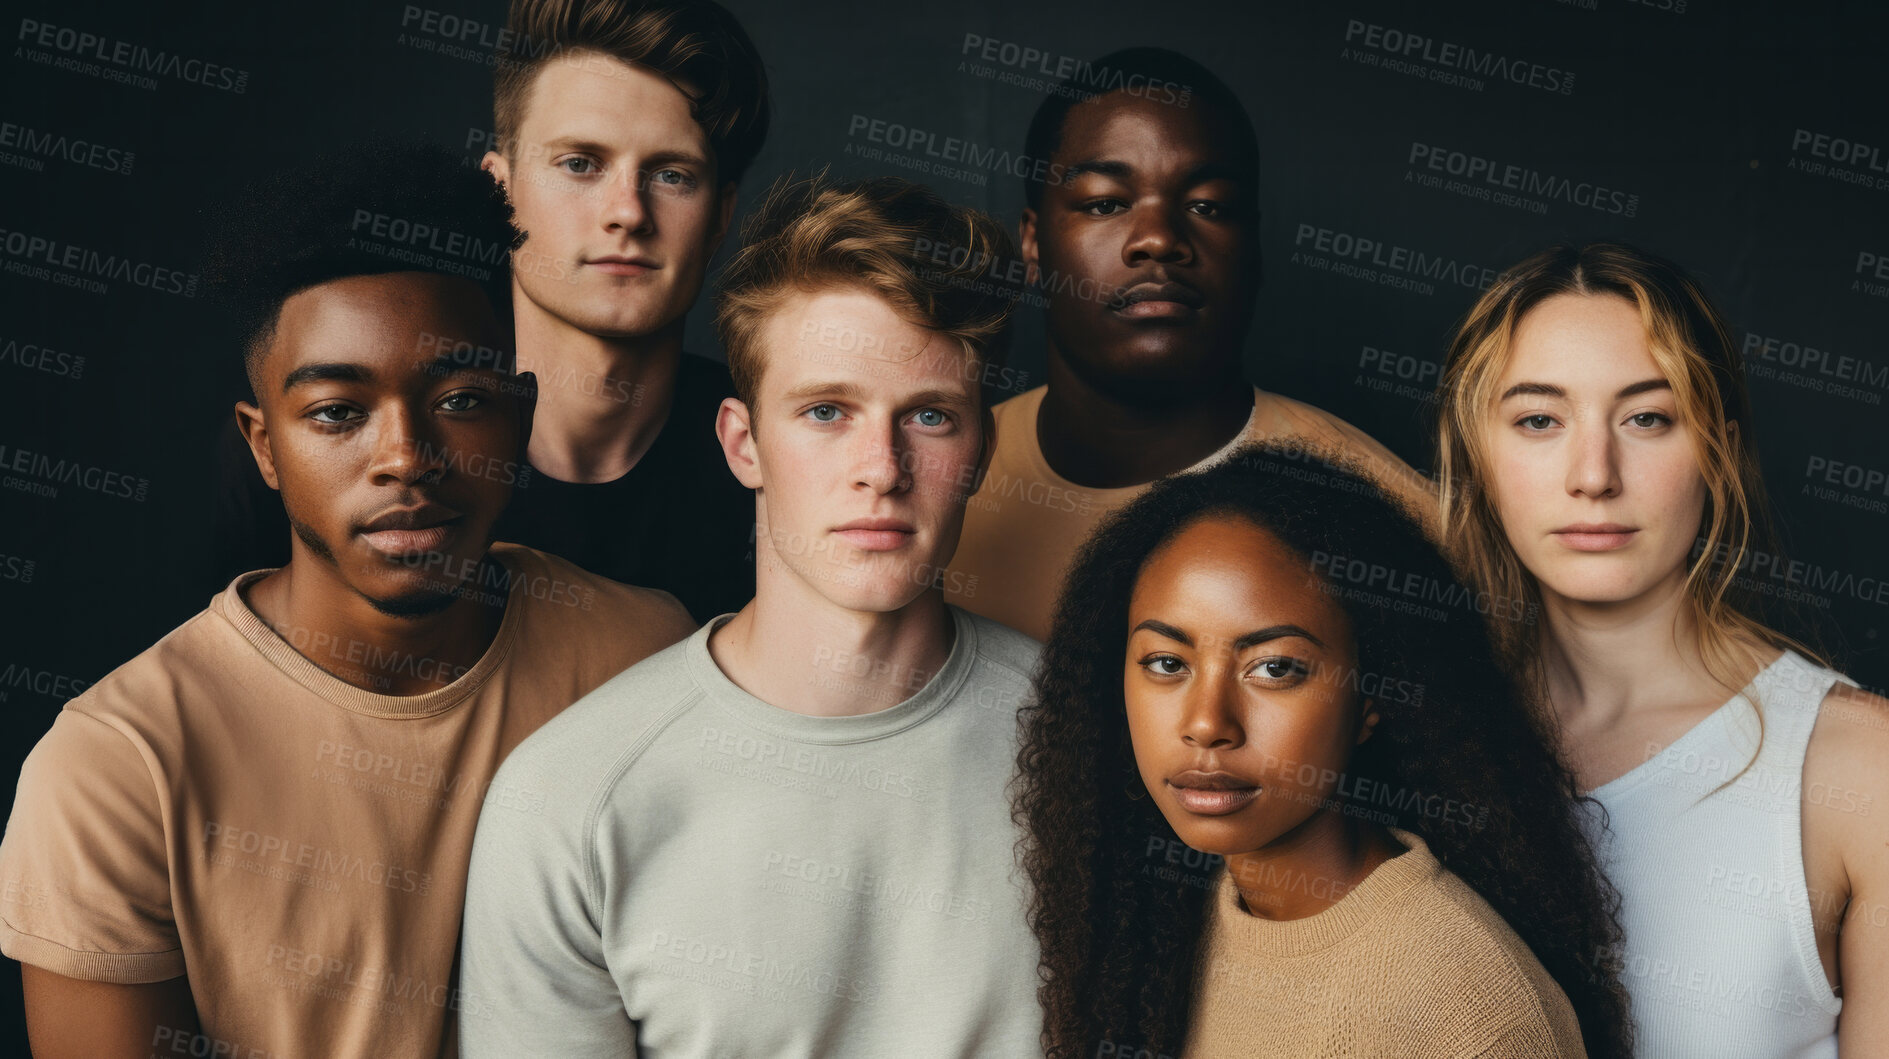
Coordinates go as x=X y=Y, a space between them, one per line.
x=1750 y=141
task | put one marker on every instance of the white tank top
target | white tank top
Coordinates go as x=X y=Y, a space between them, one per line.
x=1719 y=958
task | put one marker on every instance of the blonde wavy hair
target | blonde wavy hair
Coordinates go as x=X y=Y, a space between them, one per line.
x=1694 y=352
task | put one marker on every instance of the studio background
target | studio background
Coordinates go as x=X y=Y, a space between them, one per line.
x=1749 y=141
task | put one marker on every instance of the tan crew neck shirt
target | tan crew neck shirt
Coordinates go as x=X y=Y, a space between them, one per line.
x=1025 y=523
x=222 y=808
x=1412 y=963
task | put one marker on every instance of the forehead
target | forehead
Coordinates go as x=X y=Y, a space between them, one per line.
x=394 y=323
x=1223 y=568
x=593 y=96
x=848 y=334
x=1148 y=134
x=1580 y=341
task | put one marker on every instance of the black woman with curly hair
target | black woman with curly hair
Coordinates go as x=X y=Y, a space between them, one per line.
x=1279 y=799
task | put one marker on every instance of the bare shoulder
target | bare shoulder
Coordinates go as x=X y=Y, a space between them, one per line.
x=1846 y=788
x=1852 y=732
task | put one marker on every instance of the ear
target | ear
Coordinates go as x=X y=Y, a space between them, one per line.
x=501 y=170
x=724 y=218
x=255 y=431
x=734 y=427
x=1026 y=244
x=1370 y=721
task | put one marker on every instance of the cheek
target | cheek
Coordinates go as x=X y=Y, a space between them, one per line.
x=313 y=478
x=1307 y=751
x=1673 y=481
x=941 y=468
x=685 y=221
x=1517 y=480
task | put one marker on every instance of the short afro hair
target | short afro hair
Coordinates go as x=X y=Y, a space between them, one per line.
x=370 y=210
x=1160 y=74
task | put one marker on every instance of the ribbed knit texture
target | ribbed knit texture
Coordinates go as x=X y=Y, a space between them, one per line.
x=1411 y=963
x=1721 y=956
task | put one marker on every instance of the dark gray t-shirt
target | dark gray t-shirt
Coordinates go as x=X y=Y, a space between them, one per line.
x=714 y=876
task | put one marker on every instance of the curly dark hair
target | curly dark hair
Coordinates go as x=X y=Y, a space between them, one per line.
x=1120 y=946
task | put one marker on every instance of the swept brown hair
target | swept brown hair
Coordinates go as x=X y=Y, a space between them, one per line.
x=696 y=44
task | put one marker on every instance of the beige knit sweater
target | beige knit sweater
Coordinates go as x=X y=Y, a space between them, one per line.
x=1411 y=963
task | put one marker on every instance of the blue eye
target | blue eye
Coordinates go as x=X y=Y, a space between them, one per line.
x=824 y=413
x=587 y=166
x=931 y=417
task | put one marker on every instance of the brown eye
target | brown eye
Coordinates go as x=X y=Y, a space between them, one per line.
x=1163 y=665
x=342 y=414
x=1281 y=670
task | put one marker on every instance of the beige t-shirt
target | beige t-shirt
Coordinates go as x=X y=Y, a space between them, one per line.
x=1411 y=963
x=1025 y=523
x=222 y=808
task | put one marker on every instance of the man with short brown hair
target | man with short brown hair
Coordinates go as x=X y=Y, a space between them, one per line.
x=622 y=129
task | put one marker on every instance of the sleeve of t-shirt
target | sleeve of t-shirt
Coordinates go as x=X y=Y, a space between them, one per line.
x=85 y=886
x=531 y=957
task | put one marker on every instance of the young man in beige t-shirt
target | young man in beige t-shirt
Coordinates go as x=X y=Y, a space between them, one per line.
x=252 y=839
x=1142 y=231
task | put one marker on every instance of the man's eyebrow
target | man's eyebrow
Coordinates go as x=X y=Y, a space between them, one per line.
x=664 y=157
x=834 y=388
x=675 y=155
x=1103 y=166
x=332 y=371
x=944 y=397
x=578 y=143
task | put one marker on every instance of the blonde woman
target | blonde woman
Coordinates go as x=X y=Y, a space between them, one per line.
x=1598 y=469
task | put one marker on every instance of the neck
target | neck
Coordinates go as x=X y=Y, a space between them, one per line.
x=601 y=400
x=329 y=624
x=1101 y=441
x=1602 y=661
x=795 y=649
x=1312 y=867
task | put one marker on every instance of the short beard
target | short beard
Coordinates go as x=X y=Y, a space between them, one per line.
x=419 y=604
x=416 y=605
